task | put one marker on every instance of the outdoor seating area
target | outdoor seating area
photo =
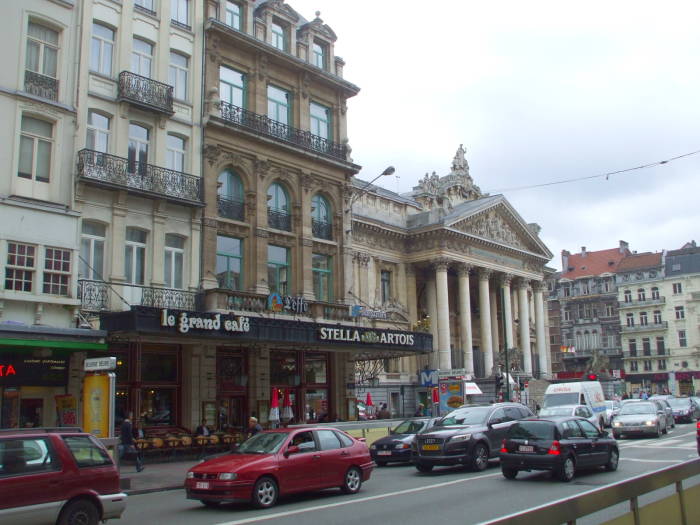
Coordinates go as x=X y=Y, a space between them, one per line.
x=172 y=446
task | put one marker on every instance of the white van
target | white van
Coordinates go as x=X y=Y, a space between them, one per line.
x=589 y=393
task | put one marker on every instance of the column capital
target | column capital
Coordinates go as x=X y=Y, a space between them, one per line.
x=506 y=279
x=464 y=269
x=362 y=258
x=484 y=274
x=539 y=286
x=440 y=264
x=522 y=283
x=410 y=269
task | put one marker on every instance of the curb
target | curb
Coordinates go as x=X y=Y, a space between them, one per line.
x=137 y=492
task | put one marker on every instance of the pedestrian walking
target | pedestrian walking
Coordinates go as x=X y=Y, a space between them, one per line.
x=128 y=447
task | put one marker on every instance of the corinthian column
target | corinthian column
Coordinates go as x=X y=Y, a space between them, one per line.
x=539 y=328
x=465 y=318
x=485 y=318
x=443 y=314
x=432 y=314
x=507 y=311
x=524 y=326
x=495 y=339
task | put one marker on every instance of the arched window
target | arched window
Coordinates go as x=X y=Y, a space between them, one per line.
x=230 y=195
x=654 y=293
x=321 y=217
x=628 y=296
x=278 y=208
x=641 y=294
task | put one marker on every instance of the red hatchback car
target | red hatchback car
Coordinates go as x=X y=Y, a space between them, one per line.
x=283 y=461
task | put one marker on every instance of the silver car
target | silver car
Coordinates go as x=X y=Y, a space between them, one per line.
x=642 y=417
x=570 y=410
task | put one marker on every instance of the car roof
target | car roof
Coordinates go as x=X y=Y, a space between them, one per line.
x=552 y=419
x=39 y=430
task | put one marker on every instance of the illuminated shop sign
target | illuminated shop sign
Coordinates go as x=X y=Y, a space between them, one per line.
x=357 y=310
x=353 y=335
x=287 y=303
x=185 y=321
x=33 y=371
x=7 y=370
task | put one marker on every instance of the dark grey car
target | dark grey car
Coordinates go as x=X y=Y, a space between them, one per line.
x=469 y=436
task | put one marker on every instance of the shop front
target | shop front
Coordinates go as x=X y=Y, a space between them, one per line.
x=651 y=383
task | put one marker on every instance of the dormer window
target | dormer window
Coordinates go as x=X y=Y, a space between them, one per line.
x=279 y=36
x=232 y=16
x=318 y=54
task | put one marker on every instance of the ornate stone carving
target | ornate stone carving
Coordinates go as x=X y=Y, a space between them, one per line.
x=211 y=152
x=260 y=232
x=307 y=242
x=464 y=269
x=262 y=66
x=484 y=274
x=539 y=286
x=210 y=222
x=506 y=279
x=307 y=182
x=491 y=225
x=441 y=264
x=305 y=81
x=262 y=167
x=362 y=259
x=522 y=283
x=214 y=50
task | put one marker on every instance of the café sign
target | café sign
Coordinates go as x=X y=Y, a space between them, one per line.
x=357 y=310
x=353 y=335
x=184 y=322
x=287 y=303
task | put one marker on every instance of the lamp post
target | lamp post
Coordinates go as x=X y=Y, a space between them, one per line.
x=388 y=171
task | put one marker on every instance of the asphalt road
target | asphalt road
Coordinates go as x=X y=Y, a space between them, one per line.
x=399 y=495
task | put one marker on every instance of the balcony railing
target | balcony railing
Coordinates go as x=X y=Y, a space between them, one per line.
x=279 y=219
x=579 y=354
x=143 y=9
x=40 y=85
x=139 y=177
x=145 y=92
x=230 y=208
x=645 y=302
x=645 y=327
x=263 y=125
x=322 y=229
x=95 y=296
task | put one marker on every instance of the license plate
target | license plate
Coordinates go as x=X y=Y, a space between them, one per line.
x=431 y=447
x=383 y=452
x=202 y=485
x=526 y=448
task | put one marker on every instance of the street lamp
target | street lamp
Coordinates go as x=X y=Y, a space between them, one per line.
x=388 y=171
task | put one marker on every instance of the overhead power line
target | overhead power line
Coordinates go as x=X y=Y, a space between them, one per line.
x=598 y=176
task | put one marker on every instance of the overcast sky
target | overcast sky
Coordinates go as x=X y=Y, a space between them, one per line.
x=537 y=91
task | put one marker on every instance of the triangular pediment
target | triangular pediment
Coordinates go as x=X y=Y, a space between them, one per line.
x=501 y=224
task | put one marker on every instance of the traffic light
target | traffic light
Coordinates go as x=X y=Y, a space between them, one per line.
x=592 y=377
x=499 y=382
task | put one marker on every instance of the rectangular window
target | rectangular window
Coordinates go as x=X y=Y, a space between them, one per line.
x=633 y=366
x=680 y=312
x=633 y=347
x=180 y=12
x=101 y=48
x=42 y=50
x=135 y=256
x=35 y=149
x=647 y=366
x=641 y=294
x=138 y=148
x=278 y=269
x=19 y=271
x=657 y=316
x=229 y=262
x=141 y=58
x=630 y=319
x=646 y=346
x=318 y=55
x=145 y=5
x=323 y=277
x=677 y=288
x=320 y=121
x=567 y=315
x=661 y=364
x=92 y=249
x=175 y=154
x=173 y=261
x=385 y=284
x=278 y=37
x=682 y=339
x=98 y=131
x=567 y=291
x=660 y=345
x=585 y=288
x=232 y=87
x=643 y=319
x=609 y=310
x=179 y=70
x=232 y=17
x=56 y=271
x=278 y=105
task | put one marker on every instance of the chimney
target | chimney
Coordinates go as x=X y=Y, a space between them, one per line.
x=624 y=246
x=583 y=251
x=565 y=261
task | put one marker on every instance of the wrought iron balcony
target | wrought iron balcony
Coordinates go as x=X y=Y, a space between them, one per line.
x=279 y=219
x=265 y=126
x=146 y=10
x=230 y=208
x=145 y=93
x=40 y=85
x=138 y=177
x=322 y=229
x=95 y=296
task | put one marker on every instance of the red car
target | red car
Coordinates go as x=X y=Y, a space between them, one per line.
x=282 y=461
x=57 y=475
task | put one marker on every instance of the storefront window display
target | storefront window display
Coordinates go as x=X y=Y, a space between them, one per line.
x=158 y=407
x=284 y=369
x=308 y=391
x=316 y=408
x=315 y=369
x=158 y=367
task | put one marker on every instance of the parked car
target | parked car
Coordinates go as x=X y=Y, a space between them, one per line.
x=396 y=447
x=469 y=435
x=57 y=475
x=643 y=417
x=282 y=461
x=561 y=445
x=570 y=410
x=662 y=402
x=684 y=409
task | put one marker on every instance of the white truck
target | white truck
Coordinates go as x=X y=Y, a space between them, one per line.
x=589 y=393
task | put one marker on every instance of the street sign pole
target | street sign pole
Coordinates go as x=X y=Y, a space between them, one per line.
x=505 y=344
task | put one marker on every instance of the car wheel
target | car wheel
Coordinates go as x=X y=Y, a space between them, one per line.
x=381 y=463
x=265 y=493
x=209 y=503
x=424 y=468
x=613 y=460
x=567 y=469
x=509 y=473
x=79 y=512
x=353 y=481
x=480 y=457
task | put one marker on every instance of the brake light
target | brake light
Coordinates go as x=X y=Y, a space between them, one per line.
x=503 y=446
x=555 y=449
x=698 y=427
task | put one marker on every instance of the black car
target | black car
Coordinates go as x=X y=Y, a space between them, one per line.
x=396 y=447
x=468 y=436
x=561 y=445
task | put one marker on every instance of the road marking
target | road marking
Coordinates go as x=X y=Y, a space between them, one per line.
x=653 y=460
x=354 y=501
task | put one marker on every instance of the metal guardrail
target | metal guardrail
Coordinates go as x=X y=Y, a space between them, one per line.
x=568 y=510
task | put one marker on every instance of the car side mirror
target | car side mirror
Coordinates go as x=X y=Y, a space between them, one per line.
x=291 y=449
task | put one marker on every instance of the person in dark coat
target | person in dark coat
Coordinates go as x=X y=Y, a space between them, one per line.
x=127 y=442
x=203 y=429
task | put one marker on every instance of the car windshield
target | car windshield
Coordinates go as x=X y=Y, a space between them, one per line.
x=409 y=427
x=542 y=430
x=265 y=443
x=677 y=402
x=556 y=411
x=637 y=408
x=555 y=400
x=465 y=416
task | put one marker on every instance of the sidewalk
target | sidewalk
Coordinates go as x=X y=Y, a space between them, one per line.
x=155 y=476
